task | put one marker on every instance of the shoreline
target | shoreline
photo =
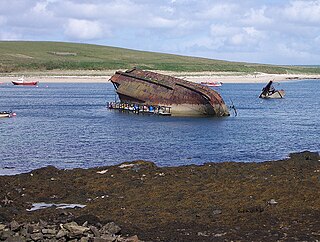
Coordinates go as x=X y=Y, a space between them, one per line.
x=197 y=77
x=210 y=202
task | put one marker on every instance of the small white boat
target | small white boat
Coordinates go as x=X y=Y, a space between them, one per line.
x=7 y=114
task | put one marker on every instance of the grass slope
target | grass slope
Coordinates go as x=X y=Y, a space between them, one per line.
x=40 y=56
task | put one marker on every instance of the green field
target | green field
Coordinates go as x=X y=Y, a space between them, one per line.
x=19 y=56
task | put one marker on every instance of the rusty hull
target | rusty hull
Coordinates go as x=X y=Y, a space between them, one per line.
x=185 y=98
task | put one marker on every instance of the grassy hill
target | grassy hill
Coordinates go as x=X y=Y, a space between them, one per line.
x=18 y=56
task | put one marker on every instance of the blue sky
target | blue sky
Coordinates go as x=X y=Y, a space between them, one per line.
x=271 y=32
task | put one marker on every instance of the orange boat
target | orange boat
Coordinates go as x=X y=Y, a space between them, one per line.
x=22 y=82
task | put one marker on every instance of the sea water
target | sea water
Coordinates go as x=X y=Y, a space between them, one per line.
x=69 y=126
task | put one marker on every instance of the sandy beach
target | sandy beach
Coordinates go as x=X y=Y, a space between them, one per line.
x=104 y=76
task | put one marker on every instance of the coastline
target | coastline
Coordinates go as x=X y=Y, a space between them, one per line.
x=226 y=201
x=104 y=76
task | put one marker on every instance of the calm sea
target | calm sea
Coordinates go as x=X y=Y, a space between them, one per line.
x=69 y=126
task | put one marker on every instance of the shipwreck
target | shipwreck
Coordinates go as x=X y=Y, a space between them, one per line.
x=270 y=92
x=184 y=98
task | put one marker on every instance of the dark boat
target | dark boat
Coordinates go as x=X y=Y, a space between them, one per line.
x=183 y=97
x=270 y=92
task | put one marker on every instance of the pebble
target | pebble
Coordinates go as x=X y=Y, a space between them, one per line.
x=272 y=202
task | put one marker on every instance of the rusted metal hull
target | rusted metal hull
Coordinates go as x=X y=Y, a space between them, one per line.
x=185 y=98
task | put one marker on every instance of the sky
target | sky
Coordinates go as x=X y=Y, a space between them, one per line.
x=283 y=32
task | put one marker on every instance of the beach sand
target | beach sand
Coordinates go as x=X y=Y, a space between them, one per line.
x=104 y=76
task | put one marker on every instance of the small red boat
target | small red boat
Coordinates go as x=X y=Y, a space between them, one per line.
x=23 y=82
x=212 y=84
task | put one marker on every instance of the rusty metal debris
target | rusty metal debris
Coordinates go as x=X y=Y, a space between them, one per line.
x=183 y=97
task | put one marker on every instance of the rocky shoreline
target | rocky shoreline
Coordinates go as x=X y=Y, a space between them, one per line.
x=229 y=201
x=71 y=231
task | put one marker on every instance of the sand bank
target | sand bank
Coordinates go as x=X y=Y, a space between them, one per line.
x=104 y=76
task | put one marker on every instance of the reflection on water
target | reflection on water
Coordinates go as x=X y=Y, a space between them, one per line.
x=68 y=126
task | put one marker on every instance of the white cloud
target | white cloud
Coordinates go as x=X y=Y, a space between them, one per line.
x=248 y=37
x=40 y=7
x=233 y=38
x=317 y=40
x=159 y=22
x=219 y=11
x=167 y=9
x=303 y=11
x=83 y=29
x=241 y=30
x=97 y=10
x=222 y=30
x=3 y=20
x=9 y=36
x=286 y=50
x=257 y=17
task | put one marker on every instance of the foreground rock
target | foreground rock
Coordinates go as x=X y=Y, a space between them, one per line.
x=71 y=231
x=268 y=201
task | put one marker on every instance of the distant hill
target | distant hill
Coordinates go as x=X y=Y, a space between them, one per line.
x=18 y=56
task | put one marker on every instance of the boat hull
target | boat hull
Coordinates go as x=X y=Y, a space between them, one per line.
x=6 y=114
x=276 y=95
x=24 y=83
x=183 y=97
x=197 y=110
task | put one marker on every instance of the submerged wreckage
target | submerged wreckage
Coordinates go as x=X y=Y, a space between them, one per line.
x=270 y=92
x=183 y=98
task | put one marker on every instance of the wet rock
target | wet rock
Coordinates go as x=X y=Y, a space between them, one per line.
x=204 y=234
x=239 y=190
x=216 y=212
x=253 y=209
x=15 y=239
x=24 y=231
x=33 y=228
x=2 y=227
x=36 y=236
x=91 y=219
x=110 y=228
x=74 y=229
x=106 y=238
x=85 y=239
x=95 y=231
x=42 y=223
x=132 y=239
x=61 y=233
x=14 y=226
x=49 y=233
x=4 y=235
